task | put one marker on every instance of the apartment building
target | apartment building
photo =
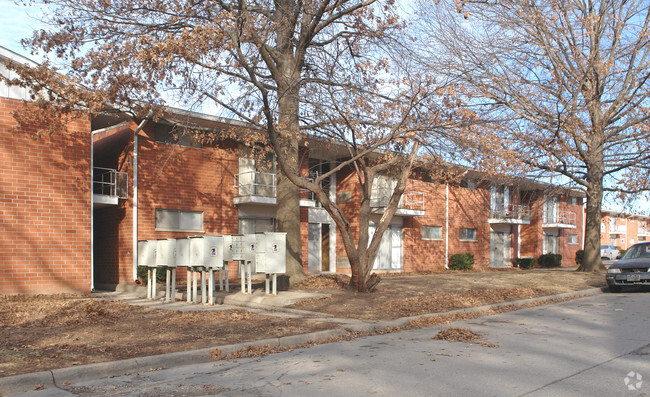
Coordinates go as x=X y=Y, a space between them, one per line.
x=622 y=229
x=92 y=194
x=45 y=201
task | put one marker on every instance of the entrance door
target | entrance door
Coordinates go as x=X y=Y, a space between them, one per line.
x=499 y=249
x=314 y=256
x=318 y=248
x=389 y=256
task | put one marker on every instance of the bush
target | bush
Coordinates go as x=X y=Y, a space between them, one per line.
x=550 y=260
x=580 y=255
x=461 y=262
x=161 y=274
x=525 y=263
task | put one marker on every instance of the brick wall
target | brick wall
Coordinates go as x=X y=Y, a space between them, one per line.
x=45 y=208
x=169 y=177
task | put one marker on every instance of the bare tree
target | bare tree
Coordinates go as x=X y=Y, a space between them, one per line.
x=283 y=66
x=563 y=87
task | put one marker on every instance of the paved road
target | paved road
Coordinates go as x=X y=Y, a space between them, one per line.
x=586 y=347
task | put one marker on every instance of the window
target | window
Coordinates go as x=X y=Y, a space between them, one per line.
x=573 y=239
x=576 y=201
x=468 y=184
x=166 y=133
x=256 y=225
x=622 y=240
x=467 y=234
x=431 y=232
x=179 y=220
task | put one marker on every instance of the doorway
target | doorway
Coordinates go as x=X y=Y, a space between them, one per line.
x=318 y=258
x=499 y=249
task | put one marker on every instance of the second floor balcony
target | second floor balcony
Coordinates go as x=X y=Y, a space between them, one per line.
x=560 y=219
x=109 y=186
x=254 y=187
x=643 y=231
x=617 y=229
x=411 y=203
x=513 y=214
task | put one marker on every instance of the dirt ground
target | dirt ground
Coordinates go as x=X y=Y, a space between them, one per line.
x=54 y=331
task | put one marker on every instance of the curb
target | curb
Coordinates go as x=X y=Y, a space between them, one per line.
x=82 y=373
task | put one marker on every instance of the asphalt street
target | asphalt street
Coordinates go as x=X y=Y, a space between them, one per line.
x=595 y=346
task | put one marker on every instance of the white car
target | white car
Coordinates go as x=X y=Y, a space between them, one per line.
x=609 y=252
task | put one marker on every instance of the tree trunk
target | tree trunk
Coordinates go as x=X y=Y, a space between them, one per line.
x=287 y=198
x=592 y=261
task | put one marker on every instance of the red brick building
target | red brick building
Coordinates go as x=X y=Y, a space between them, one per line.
x=45 y=202
x=151 y=180
x=621 y=229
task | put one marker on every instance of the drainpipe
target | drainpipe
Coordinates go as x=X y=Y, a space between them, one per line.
x=518 y=241
x=135 y=193
x=447 y=226
x=92 y=214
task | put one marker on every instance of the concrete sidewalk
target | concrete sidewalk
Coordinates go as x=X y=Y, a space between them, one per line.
x=65 y=376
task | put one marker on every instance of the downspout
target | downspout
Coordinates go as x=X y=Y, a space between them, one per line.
x=518 y=241
x=447 y=226
x=92 y=213
x=135 y=193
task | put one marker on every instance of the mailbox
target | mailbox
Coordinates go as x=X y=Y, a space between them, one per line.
x=183 y=252
x=243 y=247
x=147 y=250
x=166 y=252
x=207 y=251
x=227 y=248
x=271 y=253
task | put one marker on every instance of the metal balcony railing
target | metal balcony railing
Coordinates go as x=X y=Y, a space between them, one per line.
x=643 y=231
x=512 y=211
x=560 y=217
x=617 y=229
x=411 y=200
x=255 y=183
x=110 y=182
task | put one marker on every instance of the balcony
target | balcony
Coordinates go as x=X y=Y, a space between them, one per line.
x=560 y=219
x=511 y=214
x=645 y=232
x=254 y=187
x=617 y=229
x=411 y=203
x=109 y=186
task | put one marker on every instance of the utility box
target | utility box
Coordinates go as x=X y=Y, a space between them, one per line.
x=271 y=253
x=166 y=252
x=243 y=247
x=207 y=251
x=183 y=252
x=147 y=250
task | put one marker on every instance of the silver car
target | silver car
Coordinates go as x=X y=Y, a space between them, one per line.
x=609 y=252
x=633 y=269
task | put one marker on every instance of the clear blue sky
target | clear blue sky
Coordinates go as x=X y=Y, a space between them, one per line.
x=17 y=22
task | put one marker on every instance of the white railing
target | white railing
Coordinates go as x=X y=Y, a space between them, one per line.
x=643 y=231
x=411 y=200
x=255 y=183
x=512 y=211
x=617 y=229
x=110 y=182
x=561 y=217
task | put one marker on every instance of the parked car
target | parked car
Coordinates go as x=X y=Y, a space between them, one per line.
x=609 y=252
x=632 y=269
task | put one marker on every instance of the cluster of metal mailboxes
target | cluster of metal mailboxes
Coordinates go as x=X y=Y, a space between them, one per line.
x=258 y=253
